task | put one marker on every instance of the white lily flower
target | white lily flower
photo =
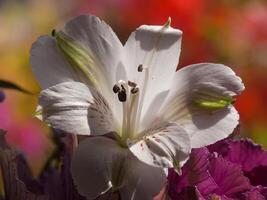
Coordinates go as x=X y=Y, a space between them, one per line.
x=93 y=85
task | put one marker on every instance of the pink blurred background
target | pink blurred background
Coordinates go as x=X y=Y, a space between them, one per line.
x=232 y=32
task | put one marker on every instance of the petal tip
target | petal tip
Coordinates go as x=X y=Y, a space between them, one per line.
x=168 y=23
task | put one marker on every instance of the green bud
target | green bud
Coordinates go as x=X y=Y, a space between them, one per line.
x=39 y=112
x=176 y=166
x=78 y=57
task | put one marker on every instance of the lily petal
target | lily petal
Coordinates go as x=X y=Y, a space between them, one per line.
x=166 y=146
x=200 y=100
x=95 y=163
x=87 y=50
x=143 y=181
x=48 y=64
x=72 y=108
x=102 y=44
x=104 y=50
x=157 y=49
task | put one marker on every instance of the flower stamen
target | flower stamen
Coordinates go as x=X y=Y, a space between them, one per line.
x=140 y=68
x=116 y=89
x=146 y=71
x=128 y=94
x=122 y=95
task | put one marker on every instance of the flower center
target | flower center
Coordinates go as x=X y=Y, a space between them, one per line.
x=129 y=96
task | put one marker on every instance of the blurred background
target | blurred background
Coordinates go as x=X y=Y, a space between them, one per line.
x=233 y=32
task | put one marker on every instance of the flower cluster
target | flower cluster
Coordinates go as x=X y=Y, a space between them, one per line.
x=226 y=170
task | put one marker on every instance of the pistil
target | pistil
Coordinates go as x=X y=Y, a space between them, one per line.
x=134 y=96
x=146 y=71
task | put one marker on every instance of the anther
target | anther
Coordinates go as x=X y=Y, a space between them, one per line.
x=140 y=68
x=134 y=90
x=132 y=84
x=116 y=89
x=122 y=96
x=123 y=88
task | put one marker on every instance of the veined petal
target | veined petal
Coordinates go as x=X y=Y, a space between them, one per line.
x=254 y=193
x=246 y=154
x=194 y=173
x=102 y=44
x=157 y=49
x=48 y=64
x=200 y=100
x=72 y=108
x=166 y=146
x=228 y=176
x=87 y=50
x=142 y=181
x=98 y=164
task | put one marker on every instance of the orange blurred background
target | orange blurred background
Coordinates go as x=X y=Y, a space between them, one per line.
x=232 y=32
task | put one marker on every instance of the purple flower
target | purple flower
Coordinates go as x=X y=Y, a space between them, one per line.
x=2 y=96
x=226 y=170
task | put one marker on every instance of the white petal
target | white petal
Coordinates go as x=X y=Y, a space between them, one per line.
x=194 y=102
x=151 y=115
x=208 y=130
x=101 y=47
x=72 y=108
x=143 y=182
x=156 y=48
x=100 y=41
x=167 y=146
x=48 y=65
x=93 y=165
x=105 y=50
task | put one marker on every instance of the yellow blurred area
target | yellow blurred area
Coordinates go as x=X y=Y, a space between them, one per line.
x=22 y=22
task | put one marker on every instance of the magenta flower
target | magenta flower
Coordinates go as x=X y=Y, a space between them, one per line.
x=226 y=170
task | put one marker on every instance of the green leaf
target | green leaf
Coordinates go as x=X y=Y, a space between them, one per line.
x=9 y=85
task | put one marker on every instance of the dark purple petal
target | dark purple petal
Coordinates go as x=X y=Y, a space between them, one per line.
x=253 y=194
x=257 y=176
x=228 y=176
x=66 y=155
x=188 y=193
x=52 y=183
x=220 y=147
x=264 y=191
x=57 y=180
x=194 y=173
x=219 y=197
x=10 y=161
x=25 y=175
x=247 y=154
